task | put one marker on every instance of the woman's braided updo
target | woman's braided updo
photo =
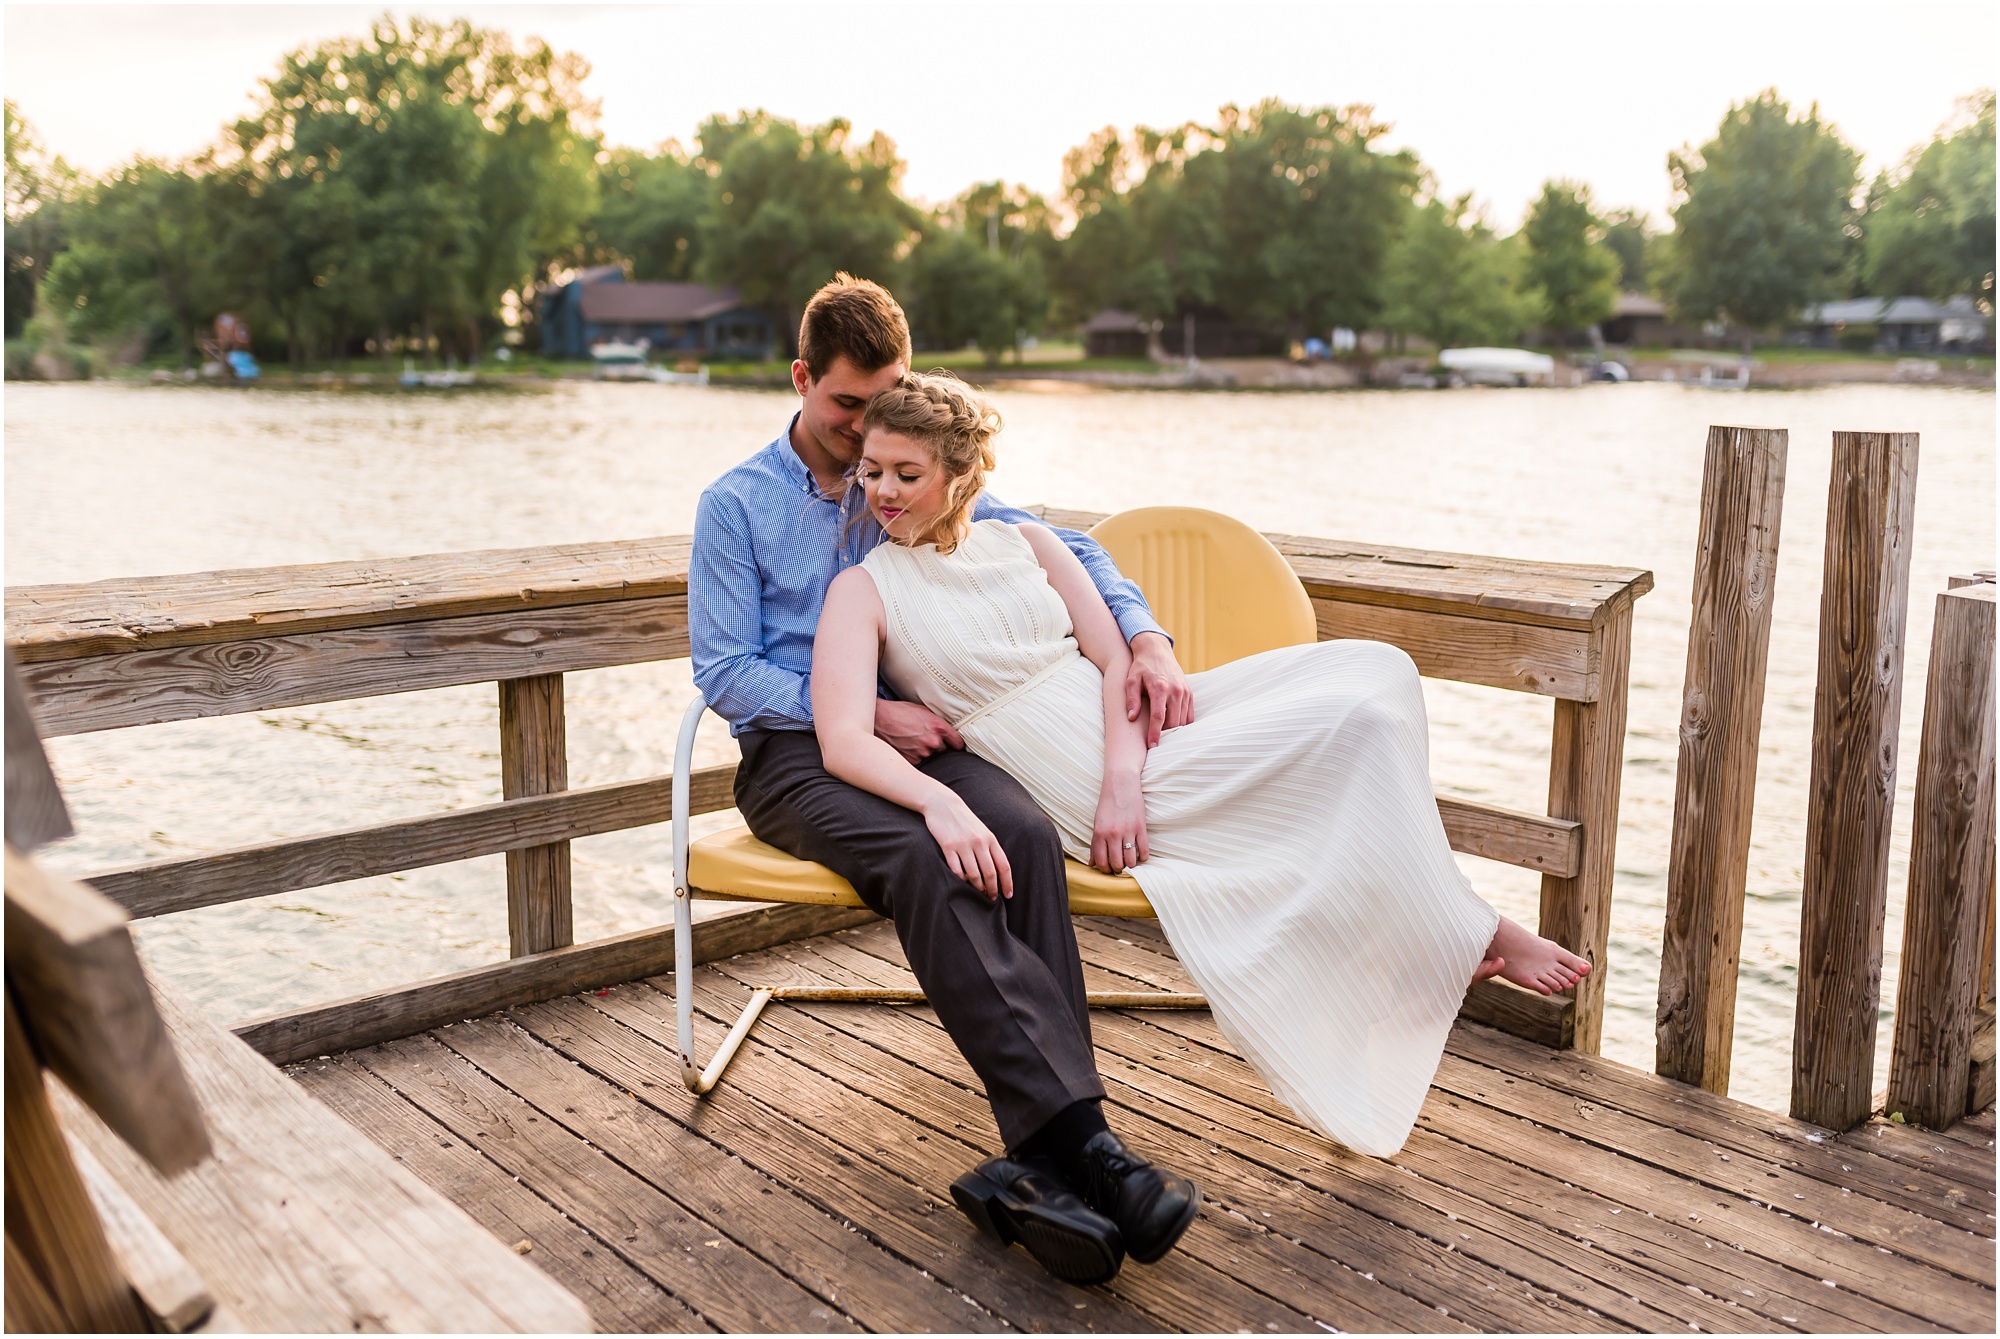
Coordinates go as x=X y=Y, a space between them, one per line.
x=956 y=426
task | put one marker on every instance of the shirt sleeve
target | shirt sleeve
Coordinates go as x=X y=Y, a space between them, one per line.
x=1121 y=593
x=726 y=627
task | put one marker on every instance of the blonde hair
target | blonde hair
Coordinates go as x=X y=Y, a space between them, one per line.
x=956 y=426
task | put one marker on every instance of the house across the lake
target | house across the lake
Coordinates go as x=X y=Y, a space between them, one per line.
x=1898 y=325
x=599 y=306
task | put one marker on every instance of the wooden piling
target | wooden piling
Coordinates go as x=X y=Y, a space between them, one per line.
x=1951 y=868
x=534 y=760
x=1722 y=707
x=1857 y=705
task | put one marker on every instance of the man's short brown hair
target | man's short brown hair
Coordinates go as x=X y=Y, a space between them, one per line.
x=855 y=319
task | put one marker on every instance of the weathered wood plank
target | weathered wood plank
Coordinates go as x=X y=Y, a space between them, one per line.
x=87 y=1009
x=50 y=1222
x=534 y=760
x=299 y=1223
x=789 y=1134
x=620 y=1298
x=1857 y=711
x=1527 y=841
x=60 y=622
x=1586 y=769
x=158 y=887
x=1715 y=779
x=168 y=1288
x=35 y=812
x=364 y=1020
x=1951 y=868
x=1979 y=1088
x=671 y=1243
x=1555 y=662
x=183 y=682
x=880 y=1291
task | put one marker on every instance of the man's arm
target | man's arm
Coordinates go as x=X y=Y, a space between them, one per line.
x=1154 y=681
x=726 y=628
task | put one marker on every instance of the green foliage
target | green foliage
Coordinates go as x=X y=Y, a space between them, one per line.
x=650 y=212
x=39 y=190
x=1449 y=280
x=979 y=275
x=1568 y=267
x=791 y=206
x=1928 y=229
x=1629 y=236
x=1766 y=218
x=140 y=257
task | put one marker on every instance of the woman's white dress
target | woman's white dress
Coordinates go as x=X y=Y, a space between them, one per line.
x=1298 y=864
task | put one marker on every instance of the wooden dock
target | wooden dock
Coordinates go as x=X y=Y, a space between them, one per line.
x=1542 y=1191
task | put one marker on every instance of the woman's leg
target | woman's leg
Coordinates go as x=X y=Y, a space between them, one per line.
x=1520 y=955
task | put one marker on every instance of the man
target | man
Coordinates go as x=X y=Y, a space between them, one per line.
x=1002 y=972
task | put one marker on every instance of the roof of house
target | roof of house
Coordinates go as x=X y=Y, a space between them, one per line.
x=656 y=302
x=1892 y=311
x=1638 y=304
x=1111 y=321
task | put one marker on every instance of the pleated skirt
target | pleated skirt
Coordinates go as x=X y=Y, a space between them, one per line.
x=1298 y=866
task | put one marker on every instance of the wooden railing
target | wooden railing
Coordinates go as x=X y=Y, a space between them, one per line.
x=115 y=654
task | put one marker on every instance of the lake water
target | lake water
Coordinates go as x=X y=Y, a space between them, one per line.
x=107 y=480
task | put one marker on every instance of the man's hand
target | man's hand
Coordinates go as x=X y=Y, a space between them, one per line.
x=1155 y=684
x=913 y=730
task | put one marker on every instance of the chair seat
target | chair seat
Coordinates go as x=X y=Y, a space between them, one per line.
x=736 y=865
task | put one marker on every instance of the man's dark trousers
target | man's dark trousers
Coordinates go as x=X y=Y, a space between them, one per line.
x=1003 y=975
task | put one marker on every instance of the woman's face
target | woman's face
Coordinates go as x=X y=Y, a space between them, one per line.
x=904 y=485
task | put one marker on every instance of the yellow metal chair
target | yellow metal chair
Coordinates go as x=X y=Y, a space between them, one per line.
x=1217 y=585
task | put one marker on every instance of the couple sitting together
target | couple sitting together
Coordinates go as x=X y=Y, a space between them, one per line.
x=937 y=697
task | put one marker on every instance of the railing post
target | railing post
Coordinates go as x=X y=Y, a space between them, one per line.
x=1715 y=781
x=1951 y=868
x=1586 y=765
x=534 y=760
x=1857 y=707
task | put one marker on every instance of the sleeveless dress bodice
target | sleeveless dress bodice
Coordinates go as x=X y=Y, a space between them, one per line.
x=1298 y=864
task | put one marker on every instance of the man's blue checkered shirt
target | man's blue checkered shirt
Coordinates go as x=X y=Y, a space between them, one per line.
x=767 y=544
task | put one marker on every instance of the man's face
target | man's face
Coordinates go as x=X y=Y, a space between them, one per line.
x=831 y=414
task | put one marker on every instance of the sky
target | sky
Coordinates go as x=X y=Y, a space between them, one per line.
x=1496 y=98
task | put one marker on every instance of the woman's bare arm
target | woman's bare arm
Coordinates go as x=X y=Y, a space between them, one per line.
x=847 y=651
x=1121 y=807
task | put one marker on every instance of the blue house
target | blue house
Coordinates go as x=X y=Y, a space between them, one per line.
x=598 y=306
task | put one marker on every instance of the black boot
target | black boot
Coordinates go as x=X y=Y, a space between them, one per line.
x=1151 y=1207
x=1015 y=1201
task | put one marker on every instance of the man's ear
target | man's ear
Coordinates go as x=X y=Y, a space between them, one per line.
x=802 y=379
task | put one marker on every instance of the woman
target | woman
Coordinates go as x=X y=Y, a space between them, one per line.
x=1288 y=836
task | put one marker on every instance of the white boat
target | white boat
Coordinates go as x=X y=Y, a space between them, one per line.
x=621 y=362
x=1498 y=367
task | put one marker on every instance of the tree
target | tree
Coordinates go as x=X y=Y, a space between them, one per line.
x=978 y=276
x=1928 y=229
x=1766 y=217
x=1629 y=236
x=1568 y=267
x=790 y=206
x=39 y=188
x=650 y=212
x=1450 y=280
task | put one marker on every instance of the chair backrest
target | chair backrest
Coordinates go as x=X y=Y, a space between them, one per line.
x=1220 y=588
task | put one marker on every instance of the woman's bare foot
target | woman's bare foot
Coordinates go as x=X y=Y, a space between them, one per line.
x=1527 y=959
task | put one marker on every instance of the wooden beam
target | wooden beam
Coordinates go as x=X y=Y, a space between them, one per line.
x=173 y=1294
x=1586 y=768
x=84 y=999
x=35 y=813
x=365 y=1020
x=1979 y=1094
x=1526 y=841
x=1951 y=868
x=261 y=673
x=1857 y=709
x=50 y=1222
x=1554 y=662
x=1546 y=1020
x=534 y=760
x=1715 y=779
x=159 y=887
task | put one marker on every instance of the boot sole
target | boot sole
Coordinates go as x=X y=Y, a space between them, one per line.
x=1173 y=1236
x=1070 y=1255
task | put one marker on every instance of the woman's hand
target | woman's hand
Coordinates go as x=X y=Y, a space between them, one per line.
x=1118 y=838
x=970 y=849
